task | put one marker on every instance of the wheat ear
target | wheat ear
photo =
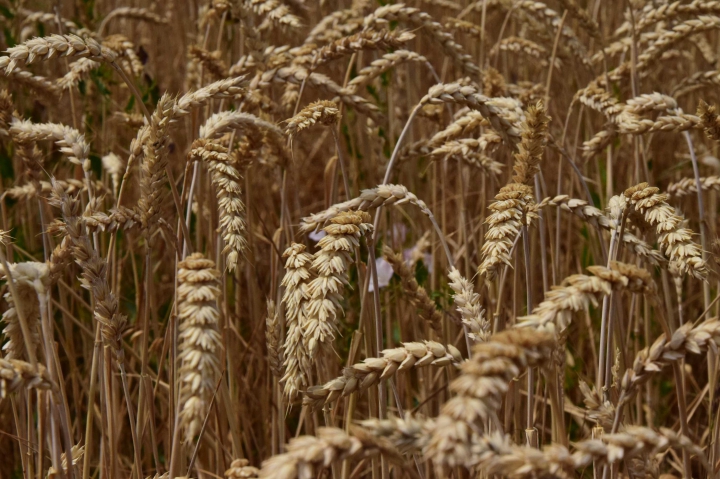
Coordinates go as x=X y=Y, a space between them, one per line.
x=676 y=241
x=199 y=340
x=272 y=340
x=30 y=279
x=479 y=391
x=307 y=456
x=468 y=305
x=16 y=375
x=241 y=469
x=417 y=295
x=226 y=179
x=371 y=371
x=55 y=45
x=297 y=362
x=331 y=264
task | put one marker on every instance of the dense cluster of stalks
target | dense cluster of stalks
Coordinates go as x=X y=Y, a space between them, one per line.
x=359 y=239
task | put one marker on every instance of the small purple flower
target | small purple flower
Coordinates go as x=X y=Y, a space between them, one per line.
x=384 y=273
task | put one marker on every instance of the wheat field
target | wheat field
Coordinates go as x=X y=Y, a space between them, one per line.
x=351 y=239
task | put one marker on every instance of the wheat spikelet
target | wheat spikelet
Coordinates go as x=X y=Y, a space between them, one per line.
x=71 y=142
x=125 y=51
x=487 y=142
x=696 y=81
x=55 y=45
x=94 y=273
x=709 y=120
x=77 y=454
x=599 y=100
x=416 y=294
x=241 y=469
x=401 y=13
x=687 y=186
x=578 y=291
x=382 y=195
x=16 y=374
x=226 y=88
x=666 y=350
x=211 y=61
x=323 y=112
x=522 y=45
x=532 y=9
x=297 y=363
x=479 y=391
x=496 y=454
x=676 y=241
x=409 y=434
x=307 y=456
x=469 y=96
x=371 y=371
x=272 y=340
x=199 y=339
x=297 y=74
x=331 y=264
x=274 y=12
x=31 y=279
x=650 y=102
x=508 y=215
x=79 y=69
x=468 y=305
x=381 y=65
x=365 y=40
x=462 y=26
x=532 y=145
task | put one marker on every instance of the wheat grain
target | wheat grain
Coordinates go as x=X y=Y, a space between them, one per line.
x=240 y=469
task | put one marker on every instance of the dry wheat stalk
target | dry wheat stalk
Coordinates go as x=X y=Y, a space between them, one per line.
x=676 y=241
x=307 y=456
x=365 y=40
x=401 y=13
x=297 y=360
x=241 y=469
x=578 y=291
x=381 y=65
x=371 y=371
x=227 y=182
x=272 y=340
x=31 y=279
x=479 y=391
x=331 y=264
x=16 y=375
x=383 y=195
x=199 y=339
x=416 y=294
x=468 y=305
